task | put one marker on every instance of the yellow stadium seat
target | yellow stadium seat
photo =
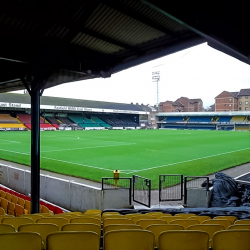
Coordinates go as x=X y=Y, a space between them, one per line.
x=4 y=205
x=185 y=223
x=21 y=241
x=34 y=217
x=168 y=219
x=200 y=218
x=43 y=229
x=21 y=202
x=59 y=221
x=130 y=216
x=8 y=196
x=224 y=223
x=239 y=226
x=230 y=218
x=2 y=194
x=73 y=240
x=19 y=210
x=74 y=213
x=2 y=211
x=93 y=211
x=144 y=223
x=121 y=227
x=67 y=217
x=83 y=227
x=231 y=240
x=14 y=199
x=146 y=217
x=5 y=216
x=17 y=221
x=117 y=221
x=210 y=229
x=113 y=216
x=97 y=216
x=81 y=219
x=27 y=206
x=11 y=208
x=129 y=239
x=158 y=229
x=242 y=222
x=5 y=228
x=185 y=216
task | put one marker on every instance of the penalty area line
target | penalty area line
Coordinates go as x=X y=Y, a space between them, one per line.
x=187 y=161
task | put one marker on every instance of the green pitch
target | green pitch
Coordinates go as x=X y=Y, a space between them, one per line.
x=148 y=153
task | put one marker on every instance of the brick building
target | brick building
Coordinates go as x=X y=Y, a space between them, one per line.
x=244 y=100
x=182 y=104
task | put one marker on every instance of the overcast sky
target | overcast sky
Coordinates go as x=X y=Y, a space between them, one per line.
x=198 y=72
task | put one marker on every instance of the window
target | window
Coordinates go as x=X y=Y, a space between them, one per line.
x=240 y=103
x=230 y=105
x=246 y=97
x=230 y=99
x=246 y=102
x=240 y=97
x=246 y=108
x=225 y=104
x=239 y=108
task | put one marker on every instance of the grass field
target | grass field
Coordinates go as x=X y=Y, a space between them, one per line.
x=148 y=153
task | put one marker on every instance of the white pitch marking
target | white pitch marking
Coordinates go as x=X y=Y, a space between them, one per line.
x=84 y=148
x=186 y=161
x=10 y=141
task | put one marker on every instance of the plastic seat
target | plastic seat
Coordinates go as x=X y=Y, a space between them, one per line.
x=21 y=202
x=19 y=210
x=11 y=208
x=86 y=220
x=2 y=194
x=129 y=239
x=144 y=223
x=43 y=229
x=224 y=223
x=200 y=218
x=5 y=216
x=239 y=226
x=210 y=229
x=121 y=227
x=230 y=218
x=184 y=240
x=17 y=221
x=108 y=213
x=93 y=211
x=2 y=211
x=5 y=228
x=14 y=199
x=242 y=222
x=34 y=217
x=185 y=223
x=67 y=217
x=59 y=221
x=21 y=241
x=27 y=206
x=157 y=215
x=231 y=240
x=97 y=216
x=117 y=221
x=8 y=196
x=73 y=240
x=185 y=216
x=113 y=216
x=168 y=219
x=130 y=216
x=83 y=227
x=158 y=229
x=76 y=213
x=4 y=205
x=146 y=217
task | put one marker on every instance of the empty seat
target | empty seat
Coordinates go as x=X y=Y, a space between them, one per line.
x=129 y=239
x=14 y=199
x=21 y=202
x=144 y=223
x=230 y=218
x=121 y=227
x=8 y=196
x=117 y=221
x=21 y=241
x=158 y=229
x=184 y=240
x=43 y=229
x=113 y=216
x=157 y=215
x=4 y=205
x=224 y=223
x=73 y=240
x=5 y=228
x=2 y=211
x=5 y=216
x=34 y=217
x=11 y=208
x=27 y=206
x=185 y=216
x=200 y=218
x=86 y=220
x=83 y=227
x=231 y=240
x=19 y=210
x=17 y=221
x=239 y=226
x=185 y=223
x=168 y=219
x=136 y=218
x=59 y=221
x=130 y=216
x=2 y=194
x=242 y=222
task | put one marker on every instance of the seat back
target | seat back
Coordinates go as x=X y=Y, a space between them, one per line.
x=158 y=229
x=231 y=240
x=2 y=194
x=4 y=205
x=185 y=216
x=27 y=206
x=19 y=210
x=8 y=196
x=146 y=217
x=224 y=223
x=67 y=217
x=5 y=228
x=129 y=239
x=73 y=240
x=11 y=208
x=230 y=218
x=145 y=223
x=121 y=227
x=59 y=221
x=5 y=216
x=21 y=202
x=199 y=218
x=117 y=221
x=43 y=229
x=183 y=239
x=21 y=241
x=17 y=221
x=242 y=222
x=168 y=219
x=34 y=217
x=82 y=219
x=157 y=215
x=2 y=211
x=185 y=223
x=130 y=216
x=113 y=216
x=210 y=229
x=83 y=227
x=14 y=199
x=239 y=226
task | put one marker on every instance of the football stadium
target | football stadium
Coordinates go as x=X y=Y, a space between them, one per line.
x=87 y=174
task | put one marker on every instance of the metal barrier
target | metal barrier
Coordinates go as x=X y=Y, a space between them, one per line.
x=142 y=190
x=194 y=182
x=170 y=187
x=118 y=183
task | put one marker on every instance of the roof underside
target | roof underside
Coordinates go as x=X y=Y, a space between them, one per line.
x=74 y=40
x=236 y=113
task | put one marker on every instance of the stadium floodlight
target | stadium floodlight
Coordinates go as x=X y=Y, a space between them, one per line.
x=156 y=78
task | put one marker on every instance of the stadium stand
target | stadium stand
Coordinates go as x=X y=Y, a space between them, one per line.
x=53 y=121
x=76 y=118
x=199 y=119
x=174 y=119
x=9 y=122
x=100 y=122
x=239 y=119
x=225 y=119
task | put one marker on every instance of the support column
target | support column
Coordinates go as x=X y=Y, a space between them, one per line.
x=35 y=146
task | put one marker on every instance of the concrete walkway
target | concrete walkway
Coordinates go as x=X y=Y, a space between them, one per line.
x=233 y=172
